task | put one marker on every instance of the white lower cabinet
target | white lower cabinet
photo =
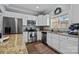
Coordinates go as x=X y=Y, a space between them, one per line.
x=68 y=45
x=49 y=39
x=63 y=44
x=39 y=35
x=25 y=37
x=55 y=40
x=52 y=40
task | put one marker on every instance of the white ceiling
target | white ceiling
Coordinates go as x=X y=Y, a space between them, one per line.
x=30 y=8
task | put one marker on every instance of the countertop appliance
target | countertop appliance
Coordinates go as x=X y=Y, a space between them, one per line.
x=73 y=29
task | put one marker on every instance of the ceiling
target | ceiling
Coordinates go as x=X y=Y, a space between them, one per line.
x=30 y=8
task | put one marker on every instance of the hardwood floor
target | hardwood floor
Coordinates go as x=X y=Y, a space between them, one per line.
x=39 y=48
x=15 y=45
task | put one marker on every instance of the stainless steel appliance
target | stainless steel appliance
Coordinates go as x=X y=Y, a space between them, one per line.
x=32 y=36
x=44 y=37
x=31 y=29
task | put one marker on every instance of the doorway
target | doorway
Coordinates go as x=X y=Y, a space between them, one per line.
x=9 y=25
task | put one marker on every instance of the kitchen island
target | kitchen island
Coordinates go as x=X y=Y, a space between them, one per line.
x=15 y=45
x=63 y=42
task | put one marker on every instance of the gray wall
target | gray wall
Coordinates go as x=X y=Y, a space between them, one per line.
x=0 y=23
x=65 y=10
x=19 y=25
x=74 y=16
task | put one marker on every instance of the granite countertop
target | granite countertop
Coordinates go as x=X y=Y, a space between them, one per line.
x=15 y=45
x=65 y=34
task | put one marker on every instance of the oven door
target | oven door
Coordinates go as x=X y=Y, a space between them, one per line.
x=32 y=36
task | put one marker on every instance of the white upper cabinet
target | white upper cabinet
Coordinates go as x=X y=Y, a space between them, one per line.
x=46 y=20
x=39 y=20
x=43 y=20
x=36 y=21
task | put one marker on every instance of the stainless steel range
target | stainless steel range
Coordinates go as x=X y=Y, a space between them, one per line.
x=31 y=29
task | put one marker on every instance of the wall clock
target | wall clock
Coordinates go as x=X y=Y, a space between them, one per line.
x=57 y=11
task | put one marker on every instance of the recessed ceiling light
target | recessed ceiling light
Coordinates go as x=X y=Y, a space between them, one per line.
x=37 y=7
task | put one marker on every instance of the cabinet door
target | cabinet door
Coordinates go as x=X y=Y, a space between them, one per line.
x=49 y=39
x=46 y=20
x=37 y=21
x=25 y=37
x=55 y=41
x=68 y=45
x=63 y=44
x=39 y=36
x=72 y=45
x=40 y=20
x=43 y=20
